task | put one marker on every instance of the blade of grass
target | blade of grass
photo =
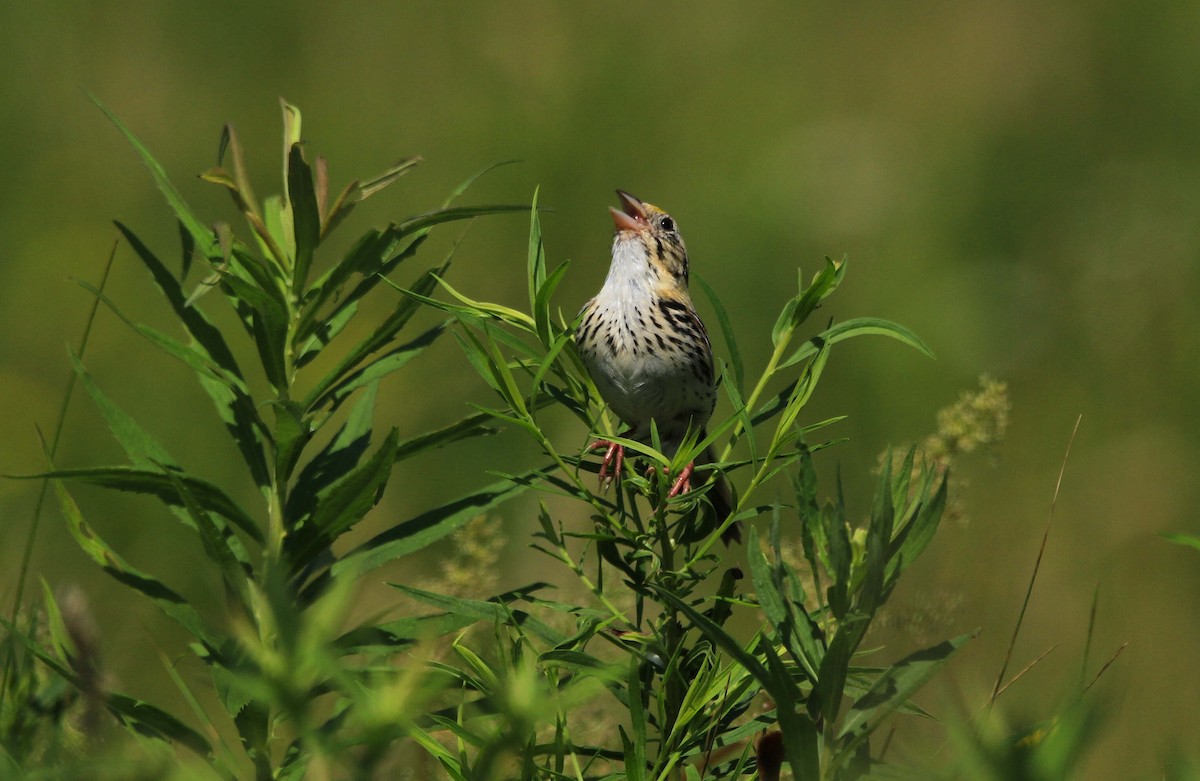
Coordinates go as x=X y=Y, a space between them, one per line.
x=1037 y=564
x=59 y=423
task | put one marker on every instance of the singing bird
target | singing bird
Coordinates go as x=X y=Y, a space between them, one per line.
x=645 y=347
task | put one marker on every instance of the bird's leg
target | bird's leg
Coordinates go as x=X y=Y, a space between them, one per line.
x=611 y=465
x=683 y=483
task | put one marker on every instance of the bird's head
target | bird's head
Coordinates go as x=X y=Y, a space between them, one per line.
x=649 y=226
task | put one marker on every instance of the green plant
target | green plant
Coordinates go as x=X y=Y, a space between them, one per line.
x=684 y=684
x=672 y=667
x=297 y=686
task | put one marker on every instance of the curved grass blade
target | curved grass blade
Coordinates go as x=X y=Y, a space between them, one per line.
x=858 y=326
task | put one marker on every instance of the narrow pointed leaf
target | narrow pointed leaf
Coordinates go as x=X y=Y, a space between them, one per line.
x=895 y=686
x=429 y=527
x=859 y=326
x=355 y=192
x=226 y=389
x=155 y=483
x=206 y=335
x=203 y=236
x=167 y=600
x=343 y=504
x=379 y=338
x=336 y=459
x=215 y=540
x=306 y=221
x=143 y=450
x=727 y=333
x=478 y=610
x=382 y=366
x=470 y=426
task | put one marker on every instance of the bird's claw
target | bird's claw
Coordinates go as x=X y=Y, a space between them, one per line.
x=682 y=484
x=613 y=462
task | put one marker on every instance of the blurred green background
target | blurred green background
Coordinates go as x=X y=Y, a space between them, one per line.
x=1019 y=182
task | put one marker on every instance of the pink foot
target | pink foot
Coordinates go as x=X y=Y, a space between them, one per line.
x=683 y=483
x=614 y=461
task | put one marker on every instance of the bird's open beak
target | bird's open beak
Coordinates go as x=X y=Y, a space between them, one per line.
x=633 y=216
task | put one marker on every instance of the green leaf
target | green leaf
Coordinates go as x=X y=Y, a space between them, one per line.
x=342 y=505
x=916 y=534
x=200 y=233
x=366 y=257
x=143 y=450
x=356 y=192
x=477 y=610
x=893 y=688
x=292 y=433
x=379 y=338
x=727 y=333
x=208 y=338
x=226 y=389
x=216 y=544
x=635 y=748
x=429 y=527
x=770 y=601
x=269 y=321
x=382 y=366
x=543 y=323
x=879 y=536
x=859 y=326
x=1186 y=540
x=339 y=456
x=799 y=731
x=155 y=483
x=470 y=426
x=327 y=331
x=795 y=631
x=455 y=213
x=835 y=665
x=414 y=629
x=306 y=220
x=242 y=191
x=535 y=272
x=167 y=600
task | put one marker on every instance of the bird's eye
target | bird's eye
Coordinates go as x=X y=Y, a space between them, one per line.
x=667 y=224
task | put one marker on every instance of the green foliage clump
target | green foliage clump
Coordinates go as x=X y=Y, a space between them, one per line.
x=676 y=663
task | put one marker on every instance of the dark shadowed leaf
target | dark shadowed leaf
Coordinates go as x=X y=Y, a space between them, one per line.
x=342 y=505
x=306 y=219
x=155 y=483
